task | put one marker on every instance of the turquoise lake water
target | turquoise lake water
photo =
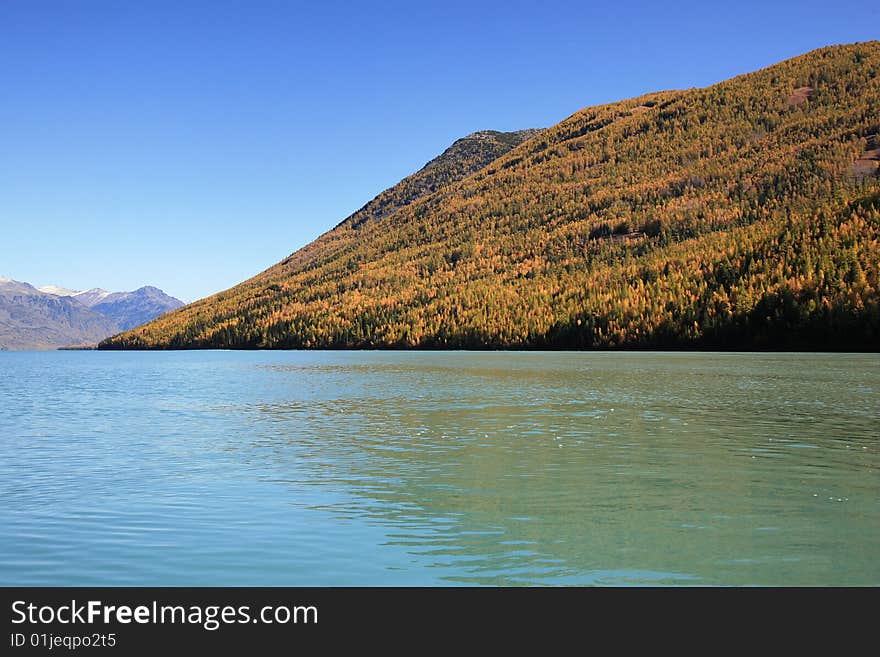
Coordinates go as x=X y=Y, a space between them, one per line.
x=439 y=468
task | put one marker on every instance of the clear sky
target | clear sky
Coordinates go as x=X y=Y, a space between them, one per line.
x=190 y=145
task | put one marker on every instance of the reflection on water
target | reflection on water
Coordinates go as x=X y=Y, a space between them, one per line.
x=331 y=468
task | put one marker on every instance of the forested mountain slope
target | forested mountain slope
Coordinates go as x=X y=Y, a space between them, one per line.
x=745 y=214
x=466 y=156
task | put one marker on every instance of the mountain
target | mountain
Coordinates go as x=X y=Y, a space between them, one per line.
x=50 y=316
x=57 y=291
x=91 y=297
x=742 y=215
x=466 y=156
x=130 y=309
x=31 y=319
x=10 y=287
x=125 y=309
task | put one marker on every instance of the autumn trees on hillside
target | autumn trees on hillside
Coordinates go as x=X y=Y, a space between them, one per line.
x=728 y=217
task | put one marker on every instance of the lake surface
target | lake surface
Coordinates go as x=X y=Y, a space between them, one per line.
x=439 y=468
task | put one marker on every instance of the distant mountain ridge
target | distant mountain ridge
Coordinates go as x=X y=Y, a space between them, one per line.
x=31 y=319
x=91 y=297
x=50 y=316
x=131 y=309
x=58 y=291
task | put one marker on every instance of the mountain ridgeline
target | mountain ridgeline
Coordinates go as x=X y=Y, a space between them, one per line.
x=130 y=309
x=466 y=156
x=34 y=319
x=50 y=317
x=741 y=215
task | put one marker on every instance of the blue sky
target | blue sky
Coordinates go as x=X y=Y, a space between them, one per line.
x=190 y=145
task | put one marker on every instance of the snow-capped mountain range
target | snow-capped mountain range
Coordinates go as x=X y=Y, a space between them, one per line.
x=50 y=316
x=88 y=297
